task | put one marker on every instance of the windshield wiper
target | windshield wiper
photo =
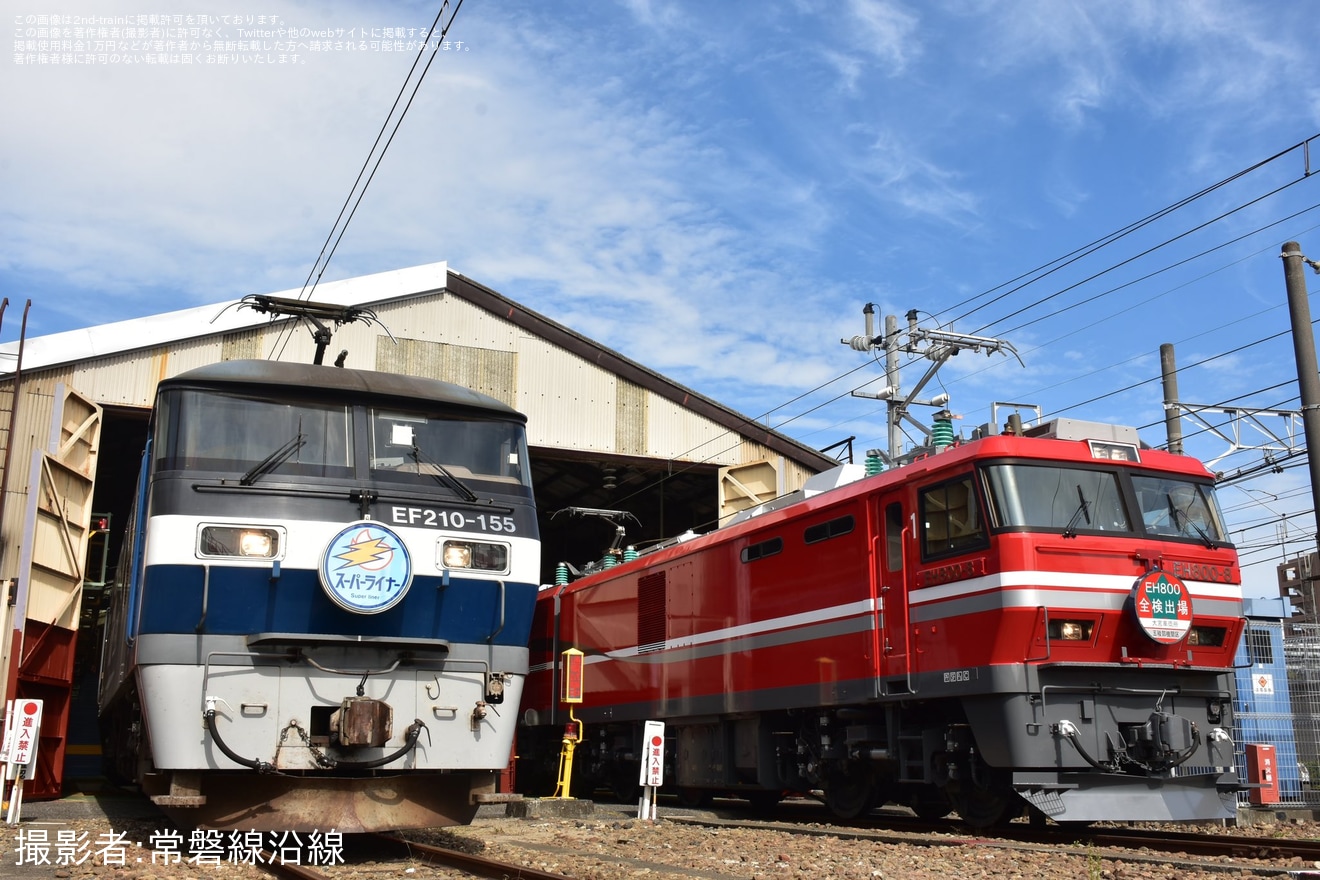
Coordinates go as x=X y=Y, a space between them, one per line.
x=1070 y=530
x=275 y=459
x=1181 y=519
x=442 y=475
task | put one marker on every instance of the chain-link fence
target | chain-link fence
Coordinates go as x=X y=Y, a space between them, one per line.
x=1278 y=704
x=1301 y=651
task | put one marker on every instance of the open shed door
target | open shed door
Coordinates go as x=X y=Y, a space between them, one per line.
x=50 y=576
x=743 y=486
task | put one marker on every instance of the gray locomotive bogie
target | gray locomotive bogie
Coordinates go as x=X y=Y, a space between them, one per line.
x=1000 y=725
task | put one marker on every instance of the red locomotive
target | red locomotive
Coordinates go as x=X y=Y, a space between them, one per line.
x=1045 y=619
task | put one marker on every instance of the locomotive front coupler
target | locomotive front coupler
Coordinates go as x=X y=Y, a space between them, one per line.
x=362 y=722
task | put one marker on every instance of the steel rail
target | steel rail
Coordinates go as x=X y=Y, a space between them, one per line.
x=473 y=864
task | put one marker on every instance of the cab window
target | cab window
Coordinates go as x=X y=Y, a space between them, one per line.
x=951 y=518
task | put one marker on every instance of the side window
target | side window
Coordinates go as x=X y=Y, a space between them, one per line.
x=894 y=537
x=824 y=531
x=952 y=518
x=761 y=550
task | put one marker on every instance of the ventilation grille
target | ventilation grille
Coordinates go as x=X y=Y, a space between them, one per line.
x=651 y=611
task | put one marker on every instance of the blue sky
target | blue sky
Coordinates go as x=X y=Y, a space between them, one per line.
x=716 y=189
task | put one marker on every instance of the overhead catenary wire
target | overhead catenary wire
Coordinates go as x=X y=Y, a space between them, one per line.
x=1161 y=271
x=1053 y=266
x=1059 y=263
x=838 y=397
x=1233 y=323
x=1145 y=301
x=1279 y=463
x=1144 y=253
x=372 y=161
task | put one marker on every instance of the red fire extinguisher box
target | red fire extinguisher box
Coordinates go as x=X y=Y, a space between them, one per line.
x=1263 y=774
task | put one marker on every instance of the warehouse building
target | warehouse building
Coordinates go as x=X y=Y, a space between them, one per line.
x=605 y=432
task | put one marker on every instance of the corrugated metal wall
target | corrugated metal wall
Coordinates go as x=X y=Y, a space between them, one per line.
x=570 y=402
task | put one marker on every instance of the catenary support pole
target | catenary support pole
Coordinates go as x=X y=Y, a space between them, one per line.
x=1172 y=416
x=892 y=380
x=1308 y=379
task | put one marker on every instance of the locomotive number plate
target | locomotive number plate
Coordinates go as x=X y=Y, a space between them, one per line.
x=433 y=518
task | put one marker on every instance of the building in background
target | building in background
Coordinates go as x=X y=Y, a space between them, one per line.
x=605 y=433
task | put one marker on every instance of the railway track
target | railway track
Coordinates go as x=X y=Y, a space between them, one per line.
x=1213 y=845
x=724 y=843
x=1178 y=852
x=379 y=847
x=1253 y=855
x=478 y=866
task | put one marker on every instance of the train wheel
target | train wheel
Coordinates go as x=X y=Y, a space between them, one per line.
x=989 y=806
x=624 y=786
x=123 y=754
x=535 y=779
x=849 y=795
x=694 y=797
x=763 y=801
x=931 y=806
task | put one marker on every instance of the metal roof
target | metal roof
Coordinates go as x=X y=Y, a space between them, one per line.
x=169 y=328
x=119 y=337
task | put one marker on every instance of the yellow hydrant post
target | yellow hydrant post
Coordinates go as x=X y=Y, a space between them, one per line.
x=572 y=736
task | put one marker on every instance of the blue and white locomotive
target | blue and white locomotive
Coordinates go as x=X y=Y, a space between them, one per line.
x=321 y=614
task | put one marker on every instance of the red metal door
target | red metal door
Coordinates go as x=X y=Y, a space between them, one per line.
x=892 y=604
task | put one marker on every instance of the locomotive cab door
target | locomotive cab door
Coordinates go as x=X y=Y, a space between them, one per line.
x=892 y=600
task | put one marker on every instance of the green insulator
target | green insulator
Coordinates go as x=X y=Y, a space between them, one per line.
x=874 y=463
x=609 y=561
x=629 y=553
x=561 y=574
x=941 y=433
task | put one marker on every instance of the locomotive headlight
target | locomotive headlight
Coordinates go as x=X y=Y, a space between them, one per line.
x=257 y=543
x=1206 y=636
x=1113 y=451
x=251 y=542
x=1071 y=630
x=475 y=555
x=457 y=555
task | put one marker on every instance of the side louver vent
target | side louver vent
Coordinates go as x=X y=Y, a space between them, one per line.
x=651 y=608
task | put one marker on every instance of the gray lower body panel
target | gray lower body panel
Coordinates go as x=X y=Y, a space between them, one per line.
x=1095 y=797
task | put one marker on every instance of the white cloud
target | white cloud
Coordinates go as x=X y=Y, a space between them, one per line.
x=885 y=30
x=712 y=191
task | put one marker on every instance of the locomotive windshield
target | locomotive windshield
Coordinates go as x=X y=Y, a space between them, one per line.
x=1078 y=499
x=418 y=448
x=1179 y=508
x=1057 y=498
x=251 y=437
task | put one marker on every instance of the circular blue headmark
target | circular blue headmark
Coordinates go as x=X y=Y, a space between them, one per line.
x=366 y=568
